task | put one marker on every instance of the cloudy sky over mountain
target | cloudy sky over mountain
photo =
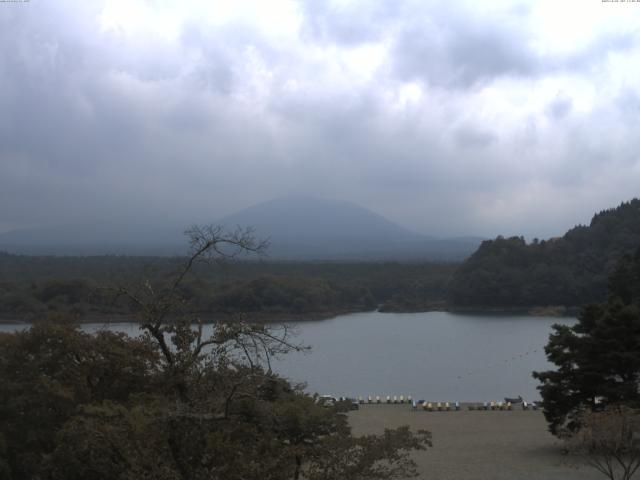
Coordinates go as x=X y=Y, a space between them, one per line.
x=450 y=118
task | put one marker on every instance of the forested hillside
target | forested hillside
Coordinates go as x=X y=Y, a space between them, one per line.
x=32 y=288
x=571 y=270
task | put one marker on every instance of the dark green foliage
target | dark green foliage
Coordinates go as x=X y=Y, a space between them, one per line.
x=77 y=406
x=598 y=358
x=48 y=371
x=570 y=271
x=175 y=403
x=33 y=287
x=271 y=294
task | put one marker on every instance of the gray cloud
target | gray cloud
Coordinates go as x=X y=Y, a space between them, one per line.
x=559 y=107
x=457 y=128
x=463 y=48
x=473 y=138
x=459 y=52
x=628 y=103
x=351 y=23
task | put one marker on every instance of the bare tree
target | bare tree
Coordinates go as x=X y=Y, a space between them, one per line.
x=164 y=314
x=609 y=440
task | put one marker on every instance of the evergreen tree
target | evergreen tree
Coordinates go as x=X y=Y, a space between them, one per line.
x=598 y=358
x=571 y=270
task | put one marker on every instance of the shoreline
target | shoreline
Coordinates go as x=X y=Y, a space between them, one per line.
x=275 y=317
x=206 y=318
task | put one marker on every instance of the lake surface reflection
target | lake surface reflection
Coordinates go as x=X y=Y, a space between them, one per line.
x=437 y=356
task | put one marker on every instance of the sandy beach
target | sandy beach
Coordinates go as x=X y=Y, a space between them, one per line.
x=479 y=445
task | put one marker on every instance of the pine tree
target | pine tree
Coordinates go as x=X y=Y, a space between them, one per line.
x=598 y=358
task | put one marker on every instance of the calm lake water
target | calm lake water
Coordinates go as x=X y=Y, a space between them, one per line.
x=437 y=356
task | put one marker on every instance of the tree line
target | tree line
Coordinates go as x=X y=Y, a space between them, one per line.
x=571 y=270
x=33 y=288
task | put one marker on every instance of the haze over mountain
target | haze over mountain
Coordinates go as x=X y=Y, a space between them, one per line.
x=302 y=227
x=96 y=238
x=299 y=228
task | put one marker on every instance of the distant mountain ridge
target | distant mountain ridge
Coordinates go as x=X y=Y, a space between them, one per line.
x=312 y=220
x=571 y=270
x=299 y=228
x=310 y=228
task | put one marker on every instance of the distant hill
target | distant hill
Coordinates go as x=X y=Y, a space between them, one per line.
x=308 y=228
x=299 y=228
x=96 y=238
x=570 y=271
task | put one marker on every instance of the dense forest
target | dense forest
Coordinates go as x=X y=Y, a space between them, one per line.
x=33 y=287
x=568 y=271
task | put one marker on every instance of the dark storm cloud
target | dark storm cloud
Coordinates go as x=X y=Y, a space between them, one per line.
x=451 y=120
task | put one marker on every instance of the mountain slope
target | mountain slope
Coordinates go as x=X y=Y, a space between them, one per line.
x=316 y=228
x=299 y=228
x=308 y=219
x=571 y=270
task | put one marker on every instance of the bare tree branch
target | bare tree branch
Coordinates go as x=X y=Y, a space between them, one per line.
x=163 y=312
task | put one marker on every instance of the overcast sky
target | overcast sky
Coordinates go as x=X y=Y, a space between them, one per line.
x=450 y=118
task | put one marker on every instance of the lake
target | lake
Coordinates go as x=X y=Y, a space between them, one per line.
x=437 y=356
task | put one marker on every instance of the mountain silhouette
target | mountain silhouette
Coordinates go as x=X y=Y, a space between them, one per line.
x=298 y=228
x=313 y=228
